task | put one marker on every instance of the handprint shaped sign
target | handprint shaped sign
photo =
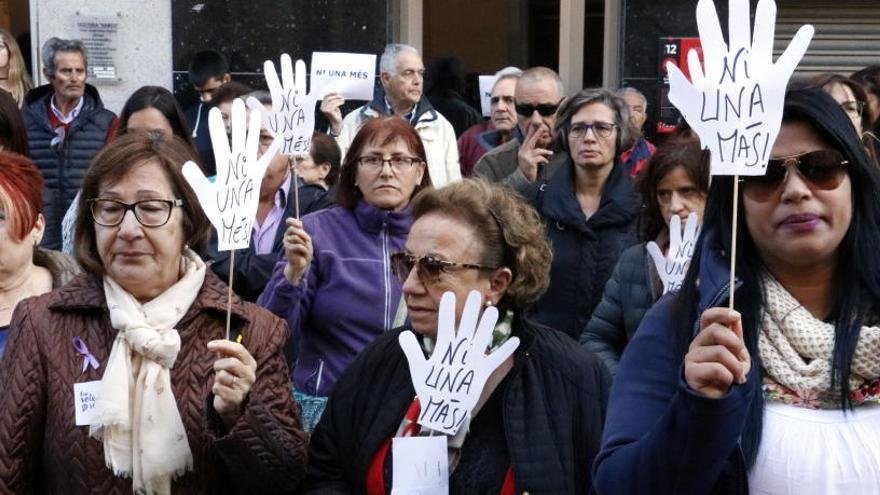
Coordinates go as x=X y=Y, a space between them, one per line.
x=672 y=268
x=449 y=383
x=735 y=98
x=293 y=109
x=230 y=202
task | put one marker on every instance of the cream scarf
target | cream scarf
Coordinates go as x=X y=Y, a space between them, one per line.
x=796 y=348
x=137 y=417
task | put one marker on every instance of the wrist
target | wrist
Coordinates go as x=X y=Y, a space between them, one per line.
x=293 y=275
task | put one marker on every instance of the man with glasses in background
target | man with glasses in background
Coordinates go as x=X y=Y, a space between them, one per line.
x=531 y=157
x=401 y=93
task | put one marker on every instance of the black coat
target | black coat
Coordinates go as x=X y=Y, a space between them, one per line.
x=629 y=294
x=64 y=164
x=584 y=250
x=553 y=408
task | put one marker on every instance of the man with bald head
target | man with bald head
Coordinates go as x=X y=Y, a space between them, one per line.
x=530 y=157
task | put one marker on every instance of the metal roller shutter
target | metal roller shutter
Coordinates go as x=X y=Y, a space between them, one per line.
x=847 y=34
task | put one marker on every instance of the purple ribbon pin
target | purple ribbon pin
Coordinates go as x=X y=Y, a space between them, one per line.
x=89 y=359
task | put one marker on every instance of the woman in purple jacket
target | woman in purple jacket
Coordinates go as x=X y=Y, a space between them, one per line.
x=334 y=284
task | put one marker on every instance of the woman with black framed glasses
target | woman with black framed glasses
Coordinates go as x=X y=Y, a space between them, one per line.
x=781 y=395
x=122 y=379
x=333 y=283
x=589 y=205
x=537 y=427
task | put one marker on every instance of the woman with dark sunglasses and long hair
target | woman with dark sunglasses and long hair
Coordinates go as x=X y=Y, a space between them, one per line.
x=537 y=425
x=333 y=283
x=782 y=394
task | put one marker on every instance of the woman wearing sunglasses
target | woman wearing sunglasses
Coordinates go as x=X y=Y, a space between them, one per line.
x=334 y=283
x=589 y=206
x=781 y=395
x=537 y=430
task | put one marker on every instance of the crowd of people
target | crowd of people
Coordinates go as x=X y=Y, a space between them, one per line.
x=129 y=367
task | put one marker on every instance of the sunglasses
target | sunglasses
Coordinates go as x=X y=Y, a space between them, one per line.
x=543 y=109
x=428 y=268
x=822 y=170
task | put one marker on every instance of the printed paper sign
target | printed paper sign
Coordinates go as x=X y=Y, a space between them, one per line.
x=486 y=83
x=735 y=98
x=293 y=110
x=449 y=383
x=85 y=397
x=353 y=75
x=421 y=466
x=230 y=201
x=673 y=267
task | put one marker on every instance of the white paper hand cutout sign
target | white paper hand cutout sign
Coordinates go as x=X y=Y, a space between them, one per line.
x=293 y=110
x=735 y=101
x=449 y=383
x=673 y=267
x=230 y=202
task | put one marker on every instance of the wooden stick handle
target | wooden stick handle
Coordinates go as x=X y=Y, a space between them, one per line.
x=229 y=298
x=733 y=231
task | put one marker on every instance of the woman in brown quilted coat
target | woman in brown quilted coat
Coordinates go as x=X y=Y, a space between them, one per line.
x=122 y=380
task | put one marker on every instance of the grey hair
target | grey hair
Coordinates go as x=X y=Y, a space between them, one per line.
x=629 y=90
x=388 y=61
x=54 y=45
x=509 y=72
x=537 y=74
x=260 y=95
x=625 y=133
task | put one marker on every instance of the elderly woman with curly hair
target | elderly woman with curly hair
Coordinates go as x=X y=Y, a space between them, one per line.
x=540 y=418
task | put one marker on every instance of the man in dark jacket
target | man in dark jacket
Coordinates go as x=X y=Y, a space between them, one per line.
x=531 y=157
x=208 y=70
x=66 y=125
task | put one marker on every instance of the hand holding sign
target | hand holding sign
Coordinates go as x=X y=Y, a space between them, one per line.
x=230 y=202
x=293 y=110
x=673 y=267
x=735 y=101
x=450 y=382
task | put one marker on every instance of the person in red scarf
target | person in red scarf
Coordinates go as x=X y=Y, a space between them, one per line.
x=537 y=425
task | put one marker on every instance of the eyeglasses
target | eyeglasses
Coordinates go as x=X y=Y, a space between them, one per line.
x=600 y=129
x=428 y=268
x=853 y=108
x=149 y=212
x=398 y=163
x=822 y=170
x=543 y=109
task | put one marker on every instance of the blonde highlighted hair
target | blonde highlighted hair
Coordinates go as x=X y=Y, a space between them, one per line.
x=18 y=82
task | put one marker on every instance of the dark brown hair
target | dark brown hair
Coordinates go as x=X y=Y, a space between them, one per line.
x=324 y=149
x=380 y=130
x=511 y=232
x=13 y=134
x=827 y=80
x=114 y=162
x=684 y=152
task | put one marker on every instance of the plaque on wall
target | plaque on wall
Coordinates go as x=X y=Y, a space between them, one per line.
x=100 y=36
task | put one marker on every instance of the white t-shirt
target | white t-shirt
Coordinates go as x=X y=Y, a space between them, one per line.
x=807 y=451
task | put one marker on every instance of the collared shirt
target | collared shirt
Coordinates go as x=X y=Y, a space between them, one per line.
x=264 y=234
x=73 y=113
x=409 y=117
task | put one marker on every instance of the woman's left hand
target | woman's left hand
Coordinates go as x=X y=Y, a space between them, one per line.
x=235 y=374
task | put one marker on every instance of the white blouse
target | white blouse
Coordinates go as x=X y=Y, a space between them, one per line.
x=808 y=451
